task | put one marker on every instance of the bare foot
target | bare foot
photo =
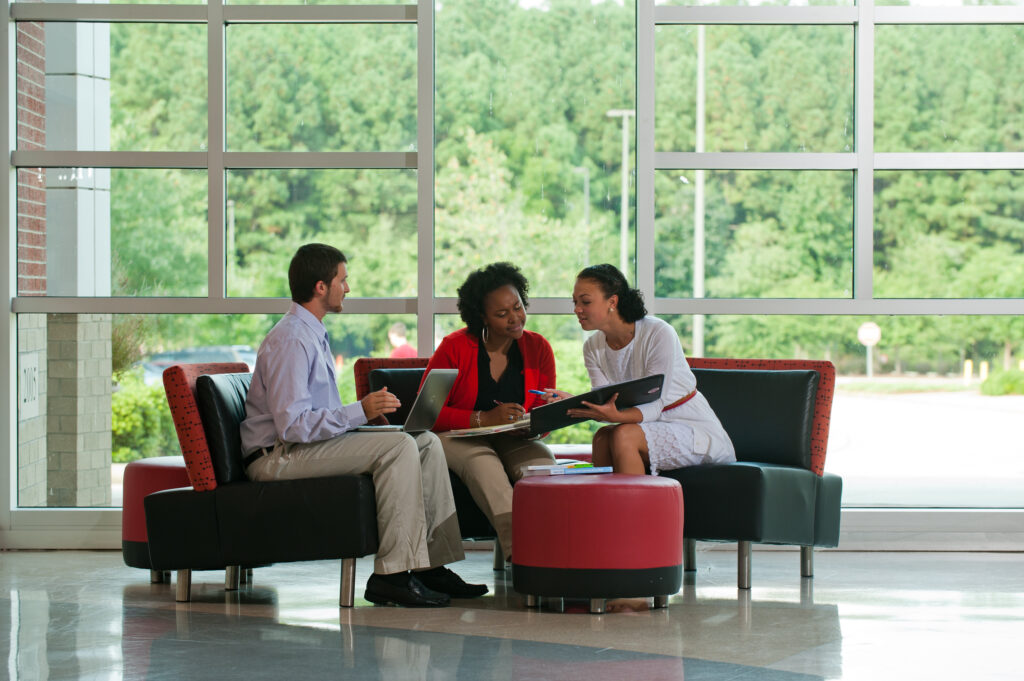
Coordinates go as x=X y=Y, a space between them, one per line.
x=628 y=605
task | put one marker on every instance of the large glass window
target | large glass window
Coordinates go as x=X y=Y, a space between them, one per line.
x=107 y=89
x=369 y=214
x=309 y=87
x=747 y=88
x=948 y=88
x=534 y=127
x=908 y=412
x=764 y=234
x=949 y=234
x=733 y=167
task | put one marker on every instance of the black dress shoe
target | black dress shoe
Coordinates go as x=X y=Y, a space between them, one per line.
x=413 y=594
x=447 y=582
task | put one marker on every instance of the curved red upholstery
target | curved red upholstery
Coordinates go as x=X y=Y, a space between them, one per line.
x=144 y=477
x=823 y=400
x=364 y=365
x=601 y=521
x=180 y=386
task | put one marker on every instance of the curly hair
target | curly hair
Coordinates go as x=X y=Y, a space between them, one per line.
x=481 y=282
x=613 y=283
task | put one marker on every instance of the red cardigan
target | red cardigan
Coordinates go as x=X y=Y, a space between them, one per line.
x=459 y=350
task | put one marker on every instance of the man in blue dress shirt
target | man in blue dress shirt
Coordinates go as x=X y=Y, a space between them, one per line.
x=296 y=427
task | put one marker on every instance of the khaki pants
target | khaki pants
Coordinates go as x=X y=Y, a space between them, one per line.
x=416 y=520
x=488 y=465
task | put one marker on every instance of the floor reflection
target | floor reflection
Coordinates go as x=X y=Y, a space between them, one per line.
x=83 y=615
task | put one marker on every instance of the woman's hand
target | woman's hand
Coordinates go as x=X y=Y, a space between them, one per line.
x=607 y=412
x=552 y=395
x=506 y=412
x=379 y=403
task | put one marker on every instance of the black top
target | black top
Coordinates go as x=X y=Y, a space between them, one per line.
x=509 y=386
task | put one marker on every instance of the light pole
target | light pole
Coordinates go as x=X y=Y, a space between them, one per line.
x=585 y=172
x=624 y=218
x=698 y=200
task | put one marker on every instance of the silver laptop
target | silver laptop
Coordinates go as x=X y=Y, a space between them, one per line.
x=427 y=405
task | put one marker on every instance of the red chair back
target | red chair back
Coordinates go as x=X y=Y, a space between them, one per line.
x=180 y=386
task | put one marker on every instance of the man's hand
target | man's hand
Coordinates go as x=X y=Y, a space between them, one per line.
x=378 y=403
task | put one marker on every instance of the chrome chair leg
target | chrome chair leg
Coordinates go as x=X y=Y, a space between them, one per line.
x=661 y=601
x=156 y=576
x=232 y=577
x=806 y=561
x=689 y=554
x=499 y=557
x=347 y=598
x=597 y=605
x=532 y=601
x=248 y=576
x=743 y=565
x=183 y=587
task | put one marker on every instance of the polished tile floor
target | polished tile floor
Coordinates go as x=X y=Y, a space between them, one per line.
x=935 y=616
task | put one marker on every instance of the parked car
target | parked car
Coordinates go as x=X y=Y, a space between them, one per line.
x=153 y=367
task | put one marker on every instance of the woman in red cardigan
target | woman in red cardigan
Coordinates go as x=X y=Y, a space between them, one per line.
x=499 y=363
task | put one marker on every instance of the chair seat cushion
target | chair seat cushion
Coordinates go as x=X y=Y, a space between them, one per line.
x=748 y=501
x=827 y=510
x=295 y=520
x=254 y=523
x=182 y=531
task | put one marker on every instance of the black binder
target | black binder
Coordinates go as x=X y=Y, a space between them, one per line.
x=548 y=417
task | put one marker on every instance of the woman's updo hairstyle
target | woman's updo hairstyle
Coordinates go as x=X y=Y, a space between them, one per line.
x=481 y=282
x=613 y=283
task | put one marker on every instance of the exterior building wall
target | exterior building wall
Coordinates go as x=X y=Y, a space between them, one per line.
x=63 y=230
x=31 y=216
x=78 y=412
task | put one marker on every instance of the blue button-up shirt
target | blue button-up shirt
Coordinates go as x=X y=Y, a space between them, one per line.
x=294 y=393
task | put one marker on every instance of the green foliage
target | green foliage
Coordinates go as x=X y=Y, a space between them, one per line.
x=141 y=425
x=521 y=106
x=1004 y=383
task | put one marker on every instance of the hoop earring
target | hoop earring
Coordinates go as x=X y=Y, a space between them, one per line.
x=485 y=334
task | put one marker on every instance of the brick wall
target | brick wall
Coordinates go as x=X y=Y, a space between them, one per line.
x=31 y=93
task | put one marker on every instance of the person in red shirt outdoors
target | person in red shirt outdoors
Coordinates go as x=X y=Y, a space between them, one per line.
x=399 y=345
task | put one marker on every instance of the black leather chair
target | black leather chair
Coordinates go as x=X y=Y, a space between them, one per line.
x=777 y=414
x=238 y=522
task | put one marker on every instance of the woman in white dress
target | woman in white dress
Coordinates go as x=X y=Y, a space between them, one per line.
x=678 y=430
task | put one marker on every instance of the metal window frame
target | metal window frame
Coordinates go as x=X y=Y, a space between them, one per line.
x=863 y=528
x=100 y=528
x=22 y=527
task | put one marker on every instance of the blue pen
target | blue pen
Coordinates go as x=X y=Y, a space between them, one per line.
x=538 y=392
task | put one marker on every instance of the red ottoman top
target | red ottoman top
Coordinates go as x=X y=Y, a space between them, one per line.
x=603 y=521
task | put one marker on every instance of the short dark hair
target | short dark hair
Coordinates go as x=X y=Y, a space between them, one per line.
x=312 y=263
x=483 y=281
x=613 y=283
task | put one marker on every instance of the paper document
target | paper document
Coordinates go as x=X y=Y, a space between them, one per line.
x=521 y=424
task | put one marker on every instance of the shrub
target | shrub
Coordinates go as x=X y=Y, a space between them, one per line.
x=141 y=425
x=1004 y=383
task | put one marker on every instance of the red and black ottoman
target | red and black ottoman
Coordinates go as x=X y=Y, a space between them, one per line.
x=597 y=537
x=143 y=477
